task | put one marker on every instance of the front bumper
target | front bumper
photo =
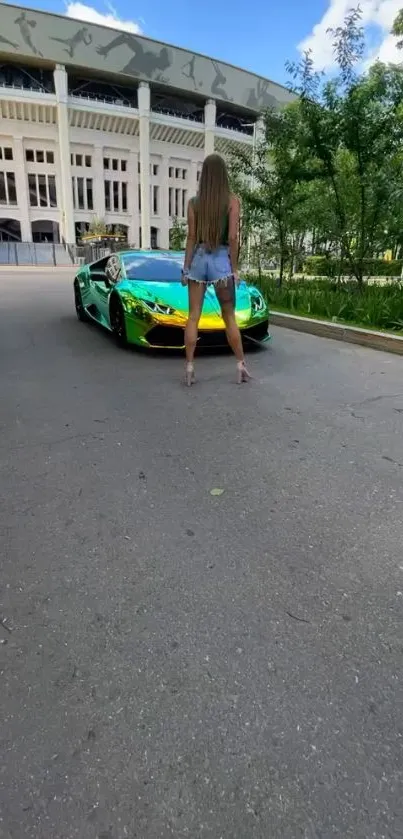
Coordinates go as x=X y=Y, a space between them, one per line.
x=172 y=337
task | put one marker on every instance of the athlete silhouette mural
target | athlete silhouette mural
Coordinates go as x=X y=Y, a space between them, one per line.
x=188 y=70
x=8 y=43
x=144 y=62
x=217 y=88
x=82 y=36
x=260 y=97
x=26 y=26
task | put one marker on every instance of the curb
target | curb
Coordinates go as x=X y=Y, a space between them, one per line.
x=383 y=341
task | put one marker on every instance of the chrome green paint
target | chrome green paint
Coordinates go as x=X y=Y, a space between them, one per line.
x=137 y=297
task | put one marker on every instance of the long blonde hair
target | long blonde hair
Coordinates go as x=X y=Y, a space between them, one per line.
x=212 y=203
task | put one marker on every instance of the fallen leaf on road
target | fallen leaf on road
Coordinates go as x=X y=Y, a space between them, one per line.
x=216 y=491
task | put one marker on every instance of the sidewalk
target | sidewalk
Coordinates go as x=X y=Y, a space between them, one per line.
x=384 y=341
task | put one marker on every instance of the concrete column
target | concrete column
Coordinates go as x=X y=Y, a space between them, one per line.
x=21 y=183
x=98 y=181
x=164 y=208
x=259 y=131
x=65 y=201
x=144 y=130
x=133 y=198
x=209 y=126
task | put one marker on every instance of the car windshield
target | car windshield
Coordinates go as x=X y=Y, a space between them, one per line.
x=156 y=267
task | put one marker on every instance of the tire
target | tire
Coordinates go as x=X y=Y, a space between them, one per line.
x=80 y=311
x=118 y=322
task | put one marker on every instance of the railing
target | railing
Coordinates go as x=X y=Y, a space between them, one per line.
x=36 y=253
x=54 y=253
x=105 y=100
x=172 y=112
x=35 y=88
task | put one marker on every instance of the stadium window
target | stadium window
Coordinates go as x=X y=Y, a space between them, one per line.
x=139 y=197
x=52 y=190
x=33 y=191
x=177 y=194
x=155 y=169
x=7 y=153
x=43 y=194
x=123 y=165
x=107 y=185
x=116 y=196
x=88 y=161
x=50 y=158
x=170 y=202
x=80 y=194
x=171 y=172
x=40 y=156
x=79 y=160
x=115 y=164
x=90 y=200
x=8 y=193
x=29 y=155
x=106 y=162
x=124 y=197
x=155 y=199
x=184 y=194
x=11 y=190
x=177 y=173
x=3 y=191
x=184 y=174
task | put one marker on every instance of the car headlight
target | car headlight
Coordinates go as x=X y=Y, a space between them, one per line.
x=258 y=303
x=158 y=308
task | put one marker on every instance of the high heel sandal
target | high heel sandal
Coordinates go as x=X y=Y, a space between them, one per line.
x=189 y=374
x=243 y=374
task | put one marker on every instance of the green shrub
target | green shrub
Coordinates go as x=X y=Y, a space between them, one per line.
x=326 y=266
x=380 y=307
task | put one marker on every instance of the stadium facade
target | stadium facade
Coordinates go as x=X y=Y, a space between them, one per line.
x=96 y=122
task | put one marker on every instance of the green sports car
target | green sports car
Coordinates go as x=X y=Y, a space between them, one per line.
x=138 y=296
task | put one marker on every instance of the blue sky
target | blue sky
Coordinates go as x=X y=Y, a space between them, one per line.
x=257 y=35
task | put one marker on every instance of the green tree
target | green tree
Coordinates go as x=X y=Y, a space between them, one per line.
x=272 y=183
x=177 y=234
x=353 y=126
x=97 y=227
x=397 y=29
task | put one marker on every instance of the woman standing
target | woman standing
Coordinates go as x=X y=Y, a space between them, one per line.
x=211 y=258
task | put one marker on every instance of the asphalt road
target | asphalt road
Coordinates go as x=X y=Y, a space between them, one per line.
x=181 y=664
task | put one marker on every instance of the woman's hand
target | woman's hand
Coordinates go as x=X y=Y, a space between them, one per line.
x=237 y=279
x=184 y=277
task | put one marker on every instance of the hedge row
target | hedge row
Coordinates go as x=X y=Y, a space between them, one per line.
x=380 y=307
x=325 y=266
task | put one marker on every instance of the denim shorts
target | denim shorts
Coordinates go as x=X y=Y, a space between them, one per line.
x=210 y=267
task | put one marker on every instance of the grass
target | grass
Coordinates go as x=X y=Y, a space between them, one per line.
x=372 y=307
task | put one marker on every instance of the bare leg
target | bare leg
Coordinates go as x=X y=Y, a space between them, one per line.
x=226 y=299
x=196 y=298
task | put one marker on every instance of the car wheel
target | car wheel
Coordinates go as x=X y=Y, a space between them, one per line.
x=80 y=311
x=118 y=322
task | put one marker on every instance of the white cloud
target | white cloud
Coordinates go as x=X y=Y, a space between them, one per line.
x=376 y=14
x=80 y=11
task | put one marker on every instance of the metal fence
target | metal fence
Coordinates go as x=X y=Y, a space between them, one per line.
x=52 y=253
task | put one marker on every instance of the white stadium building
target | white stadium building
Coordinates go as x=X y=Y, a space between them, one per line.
x=96 y=122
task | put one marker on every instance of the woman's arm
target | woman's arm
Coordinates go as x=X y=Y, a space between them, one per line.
x=191 y=238
x=233 y=234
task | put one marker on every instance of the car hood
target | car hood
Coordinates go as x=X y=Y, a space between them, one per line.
x=176 y=295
